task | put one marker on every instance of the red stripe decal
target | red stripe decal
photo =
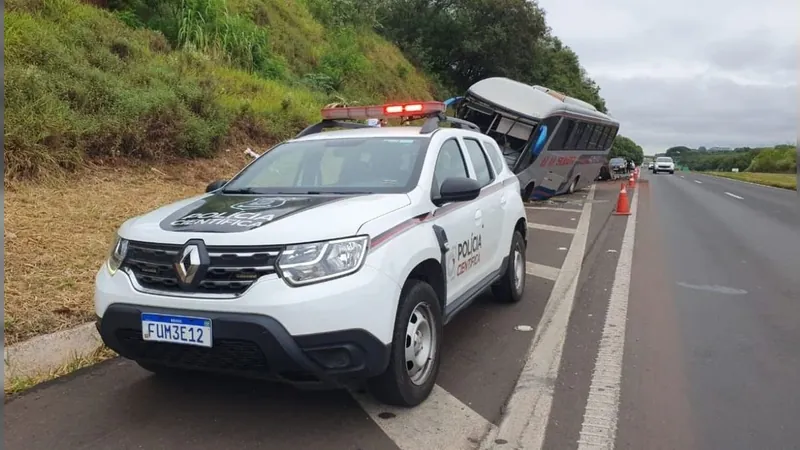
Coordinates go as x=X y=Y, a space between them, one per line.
x=406 y=225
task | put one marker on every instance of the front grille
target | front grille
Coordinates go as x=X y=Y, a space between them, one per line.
x=225 y=355
x=231 y=271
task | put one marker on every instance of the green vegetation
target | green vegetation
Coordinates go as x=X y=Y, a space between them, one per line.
x=178 y=78
x=779 y=180
x=778 y=159
x=164 y=79
x=465 y=41
x=625 y=148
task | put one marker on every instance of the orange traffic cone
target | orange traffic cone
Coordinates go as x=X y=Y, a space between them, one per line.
x=631 y=182
x=623 y=207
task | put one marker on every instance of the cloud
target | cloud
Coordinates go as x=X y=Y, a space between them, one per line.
x=689 y=72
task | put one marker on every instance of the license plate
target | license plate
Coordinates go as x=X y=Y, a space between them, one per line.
x=176 y=329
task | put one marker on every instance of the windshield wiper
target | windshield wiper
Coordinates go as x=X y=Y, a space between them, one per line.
x=248 y=190
x=337 y=192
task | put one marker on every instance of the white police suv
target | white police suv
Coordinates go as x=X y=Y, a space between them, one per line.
x=333 y=259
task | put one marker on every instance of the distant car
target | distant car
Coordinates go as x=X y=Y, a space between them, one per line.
x=664 y=164
x=649 y=166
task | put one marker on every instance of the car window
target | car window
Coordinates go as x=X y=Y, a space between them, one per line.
x=495 y=156
x=374 y=164
x=664 y=159
x=483 y=173
x=449 y=164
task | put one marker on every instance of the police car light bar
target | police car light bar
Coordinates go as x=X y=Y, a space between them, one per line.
x=383 y=111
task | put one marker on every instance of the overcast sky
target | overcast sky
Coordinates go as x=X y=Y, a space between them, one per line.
x=689 y=72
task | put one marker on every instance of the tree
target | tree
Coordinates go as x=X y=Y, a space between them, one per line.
x=676 y=152
x=464 y=41
x=625 y=148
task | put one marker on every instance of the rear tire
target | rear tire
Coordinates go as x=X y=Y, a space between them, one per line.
x=416 y=344
x=511 y=285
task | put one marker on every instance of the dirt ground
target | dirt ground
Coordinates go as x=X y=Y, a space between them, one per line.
x=58 y=232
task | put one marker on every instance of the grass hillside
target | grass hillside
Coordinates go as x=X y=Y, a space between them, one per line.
x=162 y=79
x=130 y=90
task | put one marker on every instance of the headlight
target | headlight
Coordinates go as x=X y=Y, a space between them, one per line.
x=319 y=261
x=117 y=254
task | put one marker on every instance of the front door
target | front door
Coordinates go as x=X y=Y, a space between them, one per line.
x=458 y=222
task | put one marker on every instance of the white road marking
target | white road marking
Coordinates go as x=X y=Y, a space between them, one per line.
x=527 y=411
x=542 y=271
x=683 y=176
x=441 y=422
x=541 y=226
x=552 y=208
x=599 y=428
x=698 y=181
x=734 y=195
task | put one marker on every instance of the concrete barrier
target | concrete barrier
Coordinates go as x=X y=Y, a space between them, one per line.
x=44 y=354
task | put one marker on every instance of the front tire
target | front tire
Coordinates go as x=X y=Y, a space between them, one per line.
x=571 y=188
x=527 y=193
x=416 y=344
x=510 y=287
x=672 y=172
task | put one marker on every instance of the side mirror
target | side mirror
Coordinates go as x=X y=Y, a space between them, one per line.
x=214 y=185
x=458 y=189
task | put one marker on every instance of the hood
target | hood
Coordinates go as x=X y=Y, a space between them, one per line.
x=228 y=219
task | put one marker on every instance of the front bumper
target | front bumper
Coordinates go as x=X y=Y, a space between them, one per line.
x=665 y=168
x=253 y=346
x=272 y=331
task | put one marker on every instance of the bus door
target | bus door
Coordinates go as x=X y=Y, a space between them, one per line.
x=552 y=177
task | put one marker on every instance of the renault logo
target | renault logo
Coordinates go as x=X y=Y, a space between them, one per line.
x=188 y=263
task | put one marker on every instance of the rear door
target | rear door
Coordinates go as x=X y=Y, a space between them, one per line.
x=490 y=204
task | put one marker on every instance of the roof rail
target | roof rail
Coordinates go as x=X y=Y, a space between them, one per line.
x=432 y=123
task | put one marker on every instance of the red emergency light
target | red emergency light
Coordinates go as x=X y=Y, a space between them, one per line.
x=383 y=111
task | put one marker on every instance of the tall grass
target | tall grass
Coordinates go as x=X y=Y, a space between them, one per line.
x=177 y=78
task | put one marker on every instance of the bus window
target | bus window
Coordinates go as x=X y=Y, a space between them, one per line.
x=601 y=144
x=572 y=143
x=611 y=135
x=563 y=132
x=595 y=137
x=583 y=144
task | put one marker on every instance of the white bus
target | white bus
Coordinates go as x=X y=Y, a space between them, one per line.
x=554 y=143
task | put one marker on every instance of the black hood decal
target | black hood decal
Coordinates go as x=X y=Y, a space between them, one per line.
x=226 y=213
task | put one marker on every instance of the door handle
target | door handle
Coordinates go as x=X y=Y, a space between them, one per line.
x=503 y=200
x=478 y=217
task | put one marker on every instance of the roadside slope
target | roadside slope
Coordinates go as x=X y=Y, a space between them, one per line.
x=107 y=112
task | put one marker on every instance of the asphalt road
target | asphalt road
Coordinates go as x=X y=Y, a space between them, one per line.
x=710 y=335
x=713 y=344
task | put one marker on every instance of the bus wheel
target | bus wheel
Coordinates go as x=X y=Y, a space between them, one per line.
x=571 y=189
x=527 y=193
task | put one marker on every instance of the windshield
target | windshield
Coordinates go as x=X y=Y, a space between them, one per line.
x=350 y=165
x=664 y=159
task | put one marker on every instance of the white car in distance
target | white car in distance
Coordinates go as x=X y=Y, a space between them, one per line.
x=333 y=259
x=664 y=164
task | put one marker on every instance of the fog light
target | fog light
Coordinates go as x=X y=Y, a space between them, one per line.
x=337 y=358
